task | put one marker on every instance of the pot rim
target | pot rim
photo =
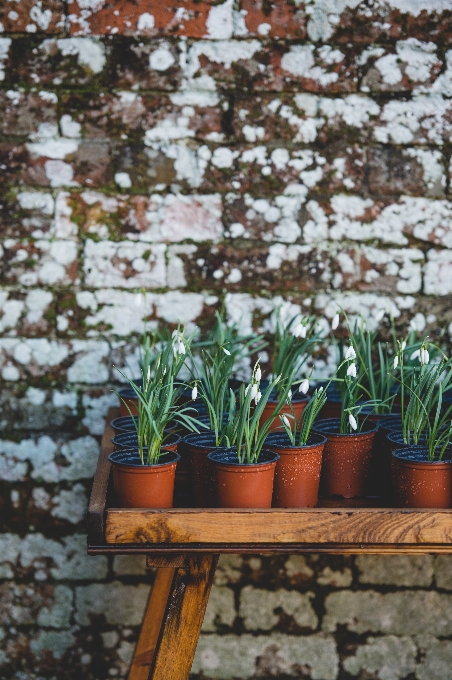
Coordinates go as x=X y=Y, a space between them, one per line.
x=187 y=439
x=304 y=447
x=398 y=453
x=214 y=455
x=117 y=438
x=117 y=424
x=370 y=426
x=133 y=453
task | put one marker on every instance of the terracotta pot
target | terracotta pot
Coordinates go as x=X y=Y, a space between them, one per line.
x=297 y=472
x=298 y=405
x=196 y=447
x=380 y=468
x=123 y=424
x=129 y=440
x=420 y=483
x=244 y=485
x=143 y=486
x=346 y=458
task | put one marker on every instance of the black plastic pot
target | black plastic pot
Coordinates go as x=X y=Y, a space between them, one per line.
x=128 y=440
x=123 y=424
x=194 y=449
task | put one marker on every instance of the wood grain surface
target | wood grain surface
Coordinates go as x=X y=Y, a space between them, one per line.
x=319 y=526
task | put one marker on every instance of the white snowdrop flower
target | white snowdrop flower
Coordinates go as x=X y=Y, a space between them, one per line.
x=254 y=391
x=246 y=389
x=194 y=393
x=350 y=353
x=351 y=370
x=227 y=352
x=403 y=345
x=416 y=354
x=258 y=374
x=379 y=315
x=299 y=331
x=396 y=362
x=412 y=325
x=352 y=421
x=424 y=356
x=289 y=395
x=335 y=322
x=148 y=377
x=257 y=398
x=320 y=390
x=304 y=387
x=181 y=348
x=285 y=420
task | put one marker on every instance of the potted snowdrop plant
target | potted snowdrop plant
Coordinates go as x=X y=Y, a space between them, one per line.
x=144 y=474
x=348 y=450
x=293 y=343
x=244 y=472
x=421 y=454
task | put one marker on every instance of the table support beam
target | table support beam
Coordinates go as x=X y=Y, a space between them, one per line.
x=173 y=620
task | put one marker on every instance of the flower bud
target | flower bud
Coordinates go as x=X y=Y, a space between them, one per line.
x=257 y=398
x=254 y=391
x=335 y=322
x=350 y=353
x=258 y=374
x=289 y=395
x=351 y=370
x=285 y=420
x=304 y=386
x=194 y=393
x=396 y=361
x=227 y=352
x=352 y=421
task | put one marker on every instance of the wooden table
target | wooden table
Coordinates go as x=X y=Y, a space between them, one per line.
x=185 y=543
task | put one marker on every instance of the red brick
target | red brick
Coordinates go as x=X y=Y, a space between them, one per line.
x=274 y=19
x=21 y=113
x=32 y=16
x=150 y=18
x=396 y=65
x=31 y=215
x=131 y=59
x=40 y=262
x=397 y=171
x=130 y=114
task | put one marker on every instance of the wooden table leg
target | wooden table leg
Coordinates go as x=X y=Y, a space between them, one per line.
x=173 y=620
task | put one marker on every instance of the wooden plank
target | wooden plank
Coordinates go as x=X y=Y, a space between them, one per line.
x=152 y=622
x=98 y=499
x=183 y=618
x=275 y=527
x=165 y=561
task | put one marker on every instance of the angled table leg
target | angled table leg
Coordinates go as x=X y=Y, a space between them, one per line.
x=173 y=619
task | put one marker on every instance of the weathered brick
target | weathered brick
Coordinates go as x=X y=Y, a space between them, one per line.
x=45 y=262
x=226 y=657
x=436 y=663
x=146 y=64
x=257 y=608
x=273 y=19
x=189 y=18
x=33 y=16
x=220 y=610
x=52 y=62
x=124 y=264
x=399 y=613
x=46 y=605
x=411 y=171
x=116 y=603
x=396 y=570
x=27 y=113
x=443 y=572
x=389 y=657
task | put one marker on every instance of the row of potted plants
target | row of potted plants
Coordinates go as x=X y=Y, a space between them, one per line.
x=267 y=442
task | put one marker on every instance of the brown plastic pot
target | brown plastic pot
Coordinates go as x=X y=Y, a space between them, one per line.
x=298 y=405
x=143 y=486
x=129 y=440
x=128 y=395
x=346 y=458
x=297 y=472
x=240 y=485
x=196 y=448
x=420 y=483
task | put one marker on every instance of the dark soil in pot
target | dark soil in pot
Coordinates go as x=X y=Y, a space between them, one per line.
x=420 y=483
x=243 y=485
x=346 y=458
x=195 y=449
x=297 y=472
x=298 y=404
x=143 y=486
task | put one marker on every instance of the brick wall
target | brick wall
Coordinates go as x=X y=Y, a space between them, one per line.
x=211 y=153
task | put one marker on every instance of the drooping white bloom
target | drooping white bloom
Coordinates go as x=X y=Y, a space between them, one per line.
x=379 y=315
x=299 y=331
x=335 y=321
x=396 y=361
x=352 y=421
x=194 y=392
x=254 y=391
x=285 y=420
x=424 y=356
x=148 y=377
x=403 y=345
x=227 y=352
x=181 y=347
x=258 y=374
x=289 y=396
x=416 y=354
x=350 y=353
x=257 y=398
x=351 y=370
x=304 y=386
